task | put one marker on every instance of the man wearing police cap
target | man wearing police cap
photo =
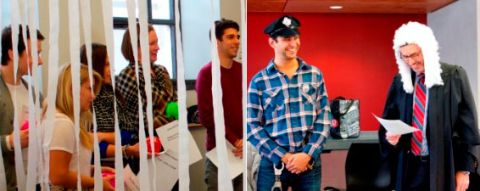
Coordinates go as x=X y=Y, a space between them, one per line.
x=288 y=113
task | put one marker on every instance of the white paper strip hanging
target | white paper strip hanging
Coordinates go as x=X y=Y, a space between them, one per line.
x=243 y=30
x=34 y=105
x=52 y=87
x=224 y=181
x=19 y=168
x=108 y=28
x=87 y=28
x=3 y=180
x=144 y=44
x=144 y=171
x=183 y=159
x=74 y=25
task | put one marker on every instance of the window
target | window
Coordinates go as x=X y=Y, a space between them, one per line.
x=5 y=13
x=160 y=15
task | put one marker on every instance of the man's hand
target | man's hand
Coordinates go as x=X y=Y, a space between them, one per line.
x=298 y=163
x=238 y=152
x=392 y=138
x=461 y=181
x=23 y=139
x=286 y=158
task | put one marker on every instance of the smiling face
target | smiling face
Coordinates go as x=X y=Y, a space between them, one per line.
x=412 y=55
x=285 y=48
x=230 y=42
x=153 y=47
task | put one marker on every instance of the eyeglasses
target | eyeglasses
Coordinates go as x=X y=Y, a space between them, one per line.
x=413 y=56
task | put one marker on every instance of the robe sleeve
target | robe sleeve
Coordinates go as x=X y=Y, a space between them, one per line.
x=390 y=111
x=465 y=130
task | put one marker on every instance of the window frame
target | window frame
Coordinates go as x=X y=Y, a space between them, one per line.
x=122 y=23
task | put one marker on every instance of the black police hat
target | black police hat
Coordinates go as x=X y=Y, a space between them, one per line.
x=284 y=26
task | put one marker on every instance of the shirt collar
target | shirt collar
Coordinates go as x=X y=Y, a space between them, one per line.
x=272 y=69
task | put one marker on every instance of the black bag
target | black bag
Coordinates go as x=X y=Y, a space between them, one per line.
x=346 y=118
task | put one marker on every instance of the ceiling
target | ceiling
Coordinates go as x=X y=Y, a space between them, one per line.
x=349 y=6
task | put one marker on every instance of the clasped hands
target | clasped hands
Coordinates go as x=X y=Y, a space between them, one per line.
x=296 y=163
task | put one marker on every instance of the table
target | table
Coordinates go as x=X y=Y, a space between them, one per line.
x=333 y=161
x=344 y=144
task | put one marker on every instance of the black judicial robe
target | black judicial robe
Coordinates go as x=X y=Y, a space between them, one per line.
x=451 y=129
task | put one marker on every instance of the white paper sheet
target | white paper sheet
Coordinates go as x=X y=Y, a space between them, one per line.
x=131 y=180
x=167 y=168
x=168 y=135
x=396 y=126
x=235 y=164
x=168 y=162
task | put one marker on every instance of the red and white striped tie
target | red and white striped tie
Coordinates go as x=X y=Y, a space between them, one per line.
x=419 y=114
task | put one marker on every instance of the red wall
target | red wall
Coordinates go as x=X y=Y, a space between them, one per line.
x=354 y=52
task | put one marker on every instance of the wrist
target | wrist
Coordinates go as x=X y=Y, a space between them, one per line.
x=310 y=164
x=9 y=142
x=125 y=150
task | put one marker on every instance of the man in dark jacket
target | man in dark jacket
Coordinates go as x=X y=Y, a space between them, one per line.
x=435 y=98
x=14 y=96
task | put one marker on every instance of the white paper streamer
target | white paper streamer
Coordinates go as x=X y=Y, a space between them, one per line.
x=3 y=180
x=144 y=44
x=87 y=33
x=19 y=168
x=52 y=88
x=183 y=159
x=144 y=171
x=108 y=28
x=34 y=105
x=74 y=25
x=243 y=30
x=224 y=181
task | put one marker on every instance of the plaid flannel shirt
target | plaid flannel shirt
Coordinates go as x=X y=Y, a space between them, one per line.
x=104 y=111
x=288 y=115
x=162 y=92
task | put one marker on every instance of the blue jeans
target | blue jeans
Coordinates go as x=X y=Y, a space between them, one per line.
x=305 y=181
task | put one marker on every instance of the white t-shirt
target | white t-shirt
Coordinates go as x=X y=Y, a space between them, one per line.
x=63 y=139
x=19 y=94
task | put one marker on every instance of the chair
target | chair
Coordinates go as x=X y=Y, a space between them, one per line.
x=362 y=168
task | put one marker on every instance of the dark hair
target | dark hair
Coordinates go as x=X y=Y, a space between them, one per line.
x=7 y=41
x=221 y=26
x=127 y=50
x=99 y=56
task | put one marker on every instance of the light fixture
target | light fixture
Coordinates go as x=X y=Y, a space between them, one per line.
x=336 y=7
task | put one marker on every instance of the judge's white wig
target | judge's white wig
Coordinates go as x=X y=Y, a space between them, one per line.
x=421 y=35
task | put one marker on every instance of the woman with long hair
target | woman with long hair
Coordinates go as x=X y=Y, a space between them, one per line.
x=63 y=153
x=162 y=90
x=104 y=107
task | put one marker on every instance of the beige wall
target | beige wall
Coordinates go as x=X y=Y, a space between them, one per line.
x=230 y=9
x=64 y=42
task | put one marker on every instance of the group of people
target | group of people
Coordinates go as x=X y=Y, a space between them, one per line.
x=58 y=142
x=288 y=112
x=289 y=116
